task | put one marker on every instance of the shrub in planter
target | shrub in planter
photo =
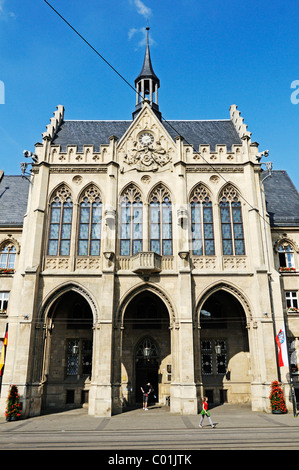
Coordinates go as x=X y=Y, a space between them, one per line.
x=276 y=397
x=13 y=407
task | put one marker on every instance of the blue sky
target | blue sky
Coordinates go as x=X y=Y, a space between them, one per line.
x=208 y=54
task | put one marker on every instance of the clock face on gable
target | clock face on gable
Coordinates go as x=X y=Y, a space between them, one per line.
x=146 y=138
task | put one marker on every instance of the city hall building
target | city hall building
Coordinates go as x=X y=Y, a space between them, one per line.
x=147 y=251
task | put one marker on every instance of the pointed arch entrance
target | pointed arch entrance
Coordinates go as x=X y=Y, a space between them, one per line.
x=223 y=347
x=68 y=346
x=145 y=348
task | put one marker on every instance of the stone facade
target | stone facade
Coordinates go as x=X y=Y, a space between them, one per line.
x=108 y=292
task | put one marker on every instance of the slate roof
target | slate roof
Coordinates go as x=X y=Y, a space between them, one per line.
x=205 y=132
x=13 y=200
x=94 y=133
x=282 y=200
x=222 y=132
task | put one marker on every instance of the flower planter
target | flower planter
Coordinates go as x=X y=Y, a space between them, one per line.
x=277 y=400
x=12 y=418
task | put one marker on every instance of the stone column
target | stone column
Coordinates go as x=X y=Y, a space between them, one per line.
x=183 y=390
x=100 y=397
x=23 y=299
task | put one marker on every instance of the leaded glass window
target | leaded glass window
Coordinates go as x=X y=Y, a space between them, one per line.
x=202 y=222
x=79 y=357
x=131 y=226
x=206 y=357
x=161 y=221
x=72 y=367
x=90 y=223
x=213 y=357
x=231 y=222
x=61 y=212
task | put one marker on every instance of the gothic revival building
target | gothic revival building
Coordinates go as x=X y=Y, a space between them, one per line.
x=146 y=250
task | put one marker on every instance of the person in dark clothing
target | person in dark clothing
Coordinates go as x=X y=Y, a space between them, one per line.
x=146 y=390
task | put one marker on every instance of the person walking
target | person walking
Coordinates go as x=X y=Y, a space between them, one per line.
x=146 y=390
x=204 y=412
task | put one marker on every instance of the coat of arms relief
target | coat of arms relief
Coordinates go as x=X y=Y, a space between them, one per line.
x=146 y=149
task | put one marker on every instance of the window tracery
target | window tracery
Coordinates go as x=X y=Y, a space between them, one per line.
x=90 y=222
x=202 y=222
x=61 y=212
x=161 y=221
x=231 y=222
x=131 y=225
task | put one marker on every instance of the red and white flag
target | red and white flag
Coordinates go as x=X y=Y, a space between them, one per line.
x=281 y=341
x=3 y=351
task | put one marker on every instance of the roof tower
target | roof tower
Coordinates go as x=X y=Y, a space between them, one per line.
x=147 y=83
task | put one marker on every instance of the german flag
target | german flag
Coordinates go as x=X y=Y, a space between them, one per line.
x=2 y=357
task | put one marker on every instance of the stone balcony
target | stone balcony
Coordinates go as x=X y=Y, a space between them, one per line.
x=146 y=262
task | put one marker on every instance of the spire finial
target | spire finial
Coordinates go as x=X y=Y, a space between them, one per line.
x=147 y=82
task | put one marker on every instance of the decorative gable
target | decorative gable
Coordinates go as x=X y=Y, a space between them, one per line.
x=146 y=146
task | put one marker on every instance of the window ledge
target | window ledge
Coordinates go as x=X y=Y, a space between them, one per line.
x=293 y=311
x=288 y=270
x=6 y=272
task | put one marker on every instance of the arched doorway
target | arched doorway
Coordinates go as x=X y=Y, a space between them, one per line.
x=224 y=349
x=68 y=353
x=147 y=361
x=146 y=352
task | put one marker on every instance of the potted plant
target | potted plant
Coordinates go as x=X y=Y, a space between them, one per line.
x=13 y=408
x=277 y=400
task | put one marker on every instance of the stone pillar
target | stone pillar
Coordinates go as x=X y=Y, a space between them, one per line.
x=23 y=299
x=183 y=389
x=100 y=396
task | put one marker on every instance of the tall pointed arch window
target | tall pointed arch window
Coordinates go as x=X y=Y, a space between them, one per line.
x=231 y=222
x=90 y=223
x=202 y=222
x=161 y=221
x=131 y=221
x=61 y=213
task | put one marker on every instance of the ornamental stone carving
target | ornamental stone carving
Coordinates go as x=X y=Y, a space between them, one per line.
x=147 y=157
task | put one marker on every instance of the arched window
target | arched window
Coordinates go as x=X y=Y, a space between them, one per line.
x=231 y=222
x=60 y=222
x=90 y=223
x=202 y=222
x=286 y=255
x=161 y=221
x=130 y=221
x=8 y=256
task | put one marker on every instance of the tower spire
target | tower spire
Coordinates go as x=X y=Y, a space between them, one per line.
x=147 y=83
